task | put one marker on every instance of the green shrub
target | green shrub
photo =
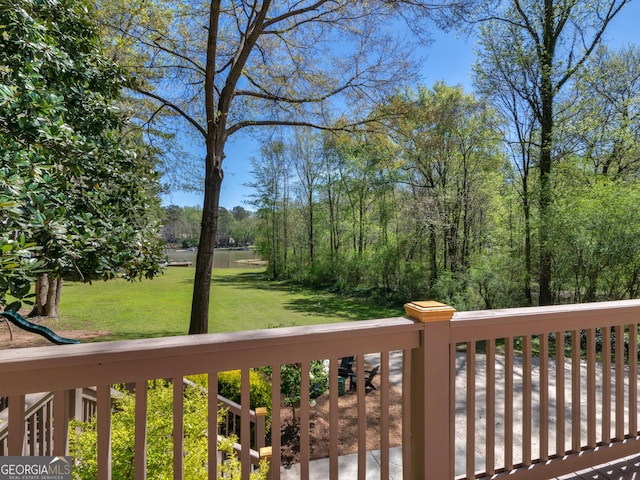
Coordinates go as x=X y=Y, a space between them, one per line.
x=229 y=386
x=83 y=439
x=290 y=380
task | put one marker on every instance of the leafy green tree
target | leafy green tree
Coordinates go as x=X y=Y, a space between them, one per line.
x=366 y=172
x=240 y=213
x=272 y=180
x=223 y=235
x=596 y=242
x=604 y=125
x=541 y=46
x=81 y=189
x=171 y=224
x=520 y=134
x=225 y=67
x=450 y=151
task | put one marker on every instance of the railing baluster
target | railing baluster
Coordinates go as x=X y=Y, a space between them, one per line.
x=140 y=431
x=560 y=401
x=42 y=423
x=508 y=403
x=61 y=405
x=591 y=388
x=34 y=440
x=261 y=427
x=384 y=414
x=333 y=417
x=575 y=391
x=178 y=428
x=526 y=399
x=471 y=409
x=304 y=420
x=633 y=379
x=276 y=427
x=245 y=426
x=407 y=394
x=544 y=397
x=619 y=330
x=48 y=448
x=490 y=403
x=212 y=423
x=103 y=399
x=16 y=425
x=606 y=385
x=452 y=407
x=362 y=418
x=33 y=443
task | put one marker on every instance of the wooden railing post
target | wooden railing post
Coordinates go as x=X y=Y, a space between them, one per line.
x=266 y=453
x=430 y=453
x=261 y=427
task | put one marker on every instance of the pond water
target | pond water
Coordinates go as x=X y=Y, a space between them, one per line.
x=222 y=258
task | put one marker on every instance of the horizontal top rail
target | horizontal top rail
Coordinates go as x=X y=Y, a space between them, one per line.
x=492 y=324
x=65 y=367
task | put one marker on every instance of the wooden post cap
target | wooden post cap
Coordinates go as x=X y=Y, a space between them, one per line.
x=266 y=452
x=261 y=411
x=429 y=311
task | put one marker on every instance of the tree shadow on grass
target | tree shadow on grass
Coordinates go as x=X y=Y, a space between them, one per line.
x=311 y=301
x=142 y=335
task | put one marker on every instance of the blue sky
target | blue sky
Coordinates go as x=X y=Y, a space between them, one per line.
x=449 y=58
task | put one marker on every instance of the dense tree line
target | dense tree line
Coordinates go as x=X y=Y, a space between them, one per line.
x=442 y=201
x=216 y=69
x=181 y=226
x=220 y=68
x=523 y=194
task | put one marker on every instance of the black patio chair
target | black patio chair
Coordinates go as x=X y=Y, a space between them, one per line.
x=368 y=381
x=345 y=370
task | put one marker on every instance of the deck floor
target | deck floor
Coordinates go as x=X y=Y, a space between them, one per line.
x=624 y=469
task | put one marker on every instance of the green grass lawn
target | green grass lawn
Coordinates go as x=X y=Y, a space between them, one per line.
x=242 y=299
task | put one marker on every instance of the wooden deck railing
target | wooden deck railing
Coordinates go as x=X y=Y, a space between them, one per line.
x=490 y=391
x=61 y=369
x=540 y=392
x=39 y=414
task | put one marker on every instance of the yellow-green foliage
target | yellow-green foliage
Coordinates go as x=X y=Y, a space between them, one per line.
x=83 y=439
x=229 y=386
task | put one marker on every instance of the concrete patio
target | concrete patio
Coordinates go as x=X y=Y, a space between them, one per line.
x=623 y=469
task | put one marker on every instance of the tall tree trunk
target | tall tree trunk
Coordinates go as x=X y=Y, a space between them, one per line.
x=285 y=222
x=433 y=254
x=48 y=294
x=526 y=144
x=42 y=283
x=546 y=139
x=204 y=260
x=53 y=297
x=215 y=139
x=545 y=201
x=310 y=232
x=527 y=241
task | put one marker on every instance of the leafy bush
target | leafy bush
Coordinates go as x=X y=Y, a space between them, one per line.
x=229 y=386
x=83 y=439
x=290 y=381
